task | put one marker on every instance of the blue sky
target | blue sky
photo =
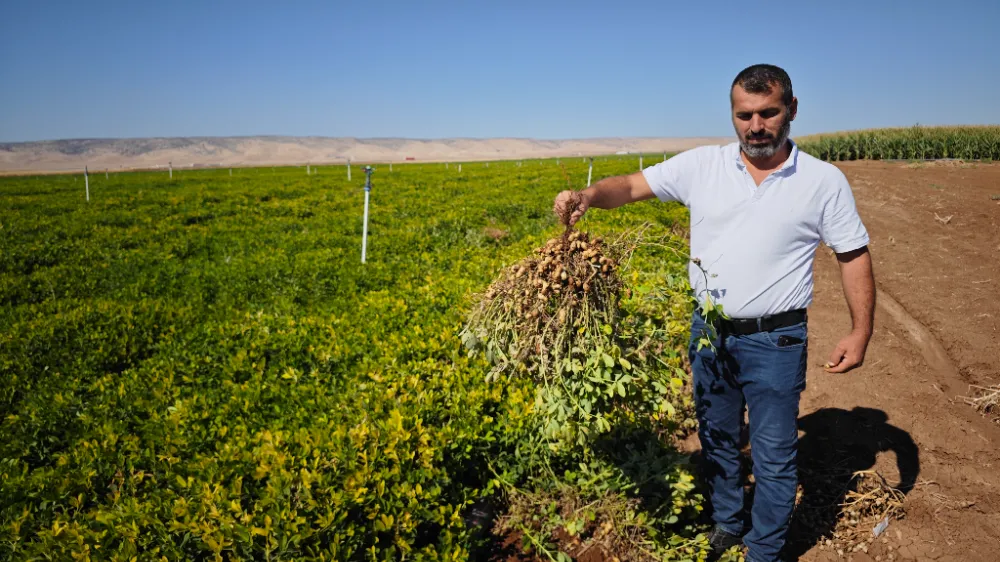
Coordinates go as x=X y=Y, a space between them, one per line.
x=483 y=69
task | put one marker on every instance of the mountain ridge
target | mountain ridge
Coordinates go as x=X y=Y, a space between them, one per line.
x=271 y=150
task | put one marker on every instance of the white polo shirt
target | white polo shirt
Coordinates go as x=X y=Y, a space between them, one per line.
x=757 y=243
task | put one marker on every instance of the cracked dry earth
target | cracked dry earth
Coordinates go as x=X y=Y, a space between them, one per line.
x=935 y=232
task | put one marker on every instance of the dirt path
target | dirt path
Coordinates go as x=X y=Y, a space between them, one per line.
x=936 y=248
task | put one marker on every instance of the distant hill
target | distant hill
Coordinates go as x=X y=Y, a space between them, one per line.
x=115 y=154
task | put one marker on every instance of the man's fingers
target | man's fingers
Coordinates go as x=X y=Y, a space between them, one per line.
x=836 y=357
x=569 y=201
x=848 y=363
x=559 y=207
x=849 y=353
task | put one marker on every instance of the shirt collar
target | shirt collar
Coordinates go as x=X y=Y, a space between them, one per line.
x=789 y=165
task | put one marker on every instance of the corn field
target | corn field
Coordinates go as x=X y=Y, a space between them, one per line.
x=912 y=143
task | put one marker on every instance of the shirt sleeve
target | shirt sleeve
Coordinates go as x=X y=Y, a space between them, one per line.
x=671 y=180
x=841 y=228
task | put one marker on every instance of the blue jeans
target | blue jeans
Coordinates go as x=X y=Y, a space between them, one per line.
x=753 y=372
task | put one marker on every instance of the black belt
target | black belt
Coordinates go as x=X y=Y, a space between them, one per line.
x=747 y=326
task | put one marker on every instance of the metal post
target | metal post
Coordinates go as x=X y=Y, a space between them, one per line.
x=348 y=169
x=664 y=156
x=390 y=166
x=590 y=172
x=105 y=173
x=459 y=168
x=364 y=231
x=307 y=169
x=171 y=165
x=230 y=172
x=86 y=182
x=640 y=161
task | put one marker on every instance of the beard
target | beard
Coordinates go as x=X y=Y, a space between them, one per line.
x=765 y=149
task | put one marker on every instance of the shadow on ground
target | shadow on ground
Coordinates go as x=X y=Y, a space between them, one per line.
x=835 y=444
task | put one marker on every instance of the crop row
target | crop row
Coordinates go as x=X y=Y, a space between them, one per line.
x=913 y=143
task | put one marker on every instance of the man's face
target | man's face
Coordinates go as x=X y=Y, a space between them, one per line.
x=762 y=121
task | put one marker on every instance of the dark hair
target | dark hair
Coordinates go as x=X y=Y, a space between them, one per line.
x=759 y=78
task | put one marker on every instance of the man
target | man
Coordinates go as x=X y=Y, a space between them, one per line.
x=759 y=208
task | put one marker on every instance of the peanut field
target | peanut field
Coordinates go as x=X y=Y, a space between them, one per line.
x=200 y=368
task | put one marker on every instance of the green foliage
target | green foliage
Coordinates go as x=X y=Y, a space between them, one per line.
x=913 y=143
x=556 y=319
x=200 y=368
x=598 y=466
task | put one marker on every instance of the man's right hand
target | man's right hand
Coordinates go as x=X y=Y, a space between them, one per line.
x=572 y=204
x=609 y=193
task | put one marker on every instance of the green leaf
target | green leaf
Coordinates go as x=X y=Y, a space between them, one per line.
x=608 y=360
x=667 y=407
x=707 y=307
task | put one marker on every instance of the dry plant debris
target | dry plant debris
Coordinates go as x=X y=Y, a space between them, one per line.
x=986 y=399
x=868 y=501
x=545 y=305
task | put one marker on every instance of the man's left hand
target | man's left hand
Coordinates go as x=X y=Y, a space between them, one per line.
x=849 y=353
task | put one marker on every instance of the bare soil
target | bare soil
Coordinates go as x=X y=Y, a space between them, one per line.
x=935 y=231
x=936 y=247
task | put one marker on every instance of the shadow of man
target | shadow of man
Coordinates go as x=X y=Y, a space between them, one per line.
x=835 y=444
